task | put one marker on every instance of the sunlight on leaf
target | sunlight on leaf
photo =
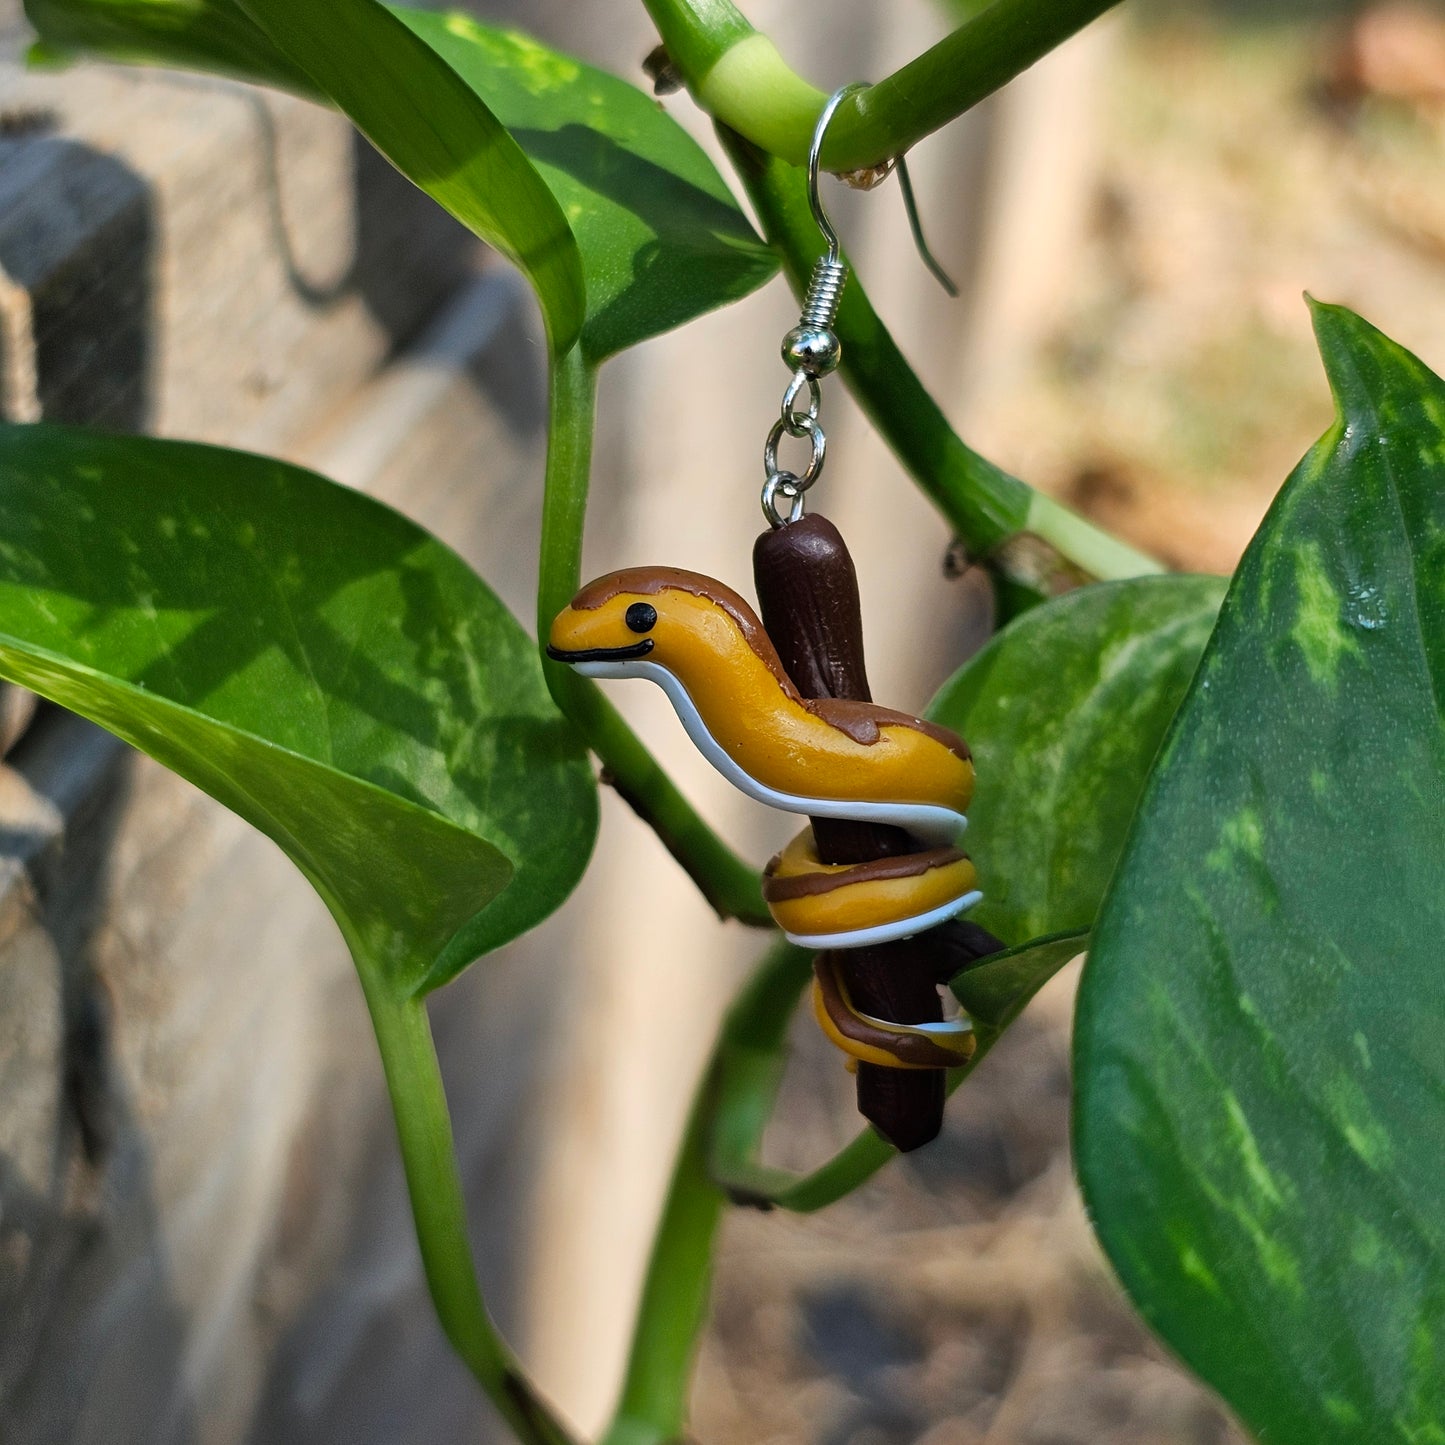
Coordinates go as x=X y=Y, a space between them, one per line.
x=314 y=661
x=620 y=220
x=435 y=130
x=661 y=237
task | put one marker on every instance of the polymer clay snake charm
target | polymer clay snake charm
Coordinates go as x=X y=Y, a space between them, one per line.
x=823 y=756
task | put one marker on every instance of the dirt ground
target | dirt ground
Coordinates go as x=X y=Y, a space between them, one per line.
x=959 y=1299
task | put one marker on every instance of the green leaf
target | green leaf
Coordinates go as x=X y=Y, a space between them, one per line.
x=419 y=113
x=314 y=661
x=401 y=95
x=661 y=237
x=1261 y=1077
x=212 y=35
x=996 y=991
x=1064 y=711
x=587 y=161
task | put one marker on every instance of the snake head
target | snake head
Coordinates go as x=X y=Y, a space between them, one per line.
x=609 y=625
x=633 y=622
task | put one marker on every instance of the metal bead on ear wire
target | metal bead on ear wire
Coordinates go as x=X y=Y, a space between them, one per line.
x=812 y=346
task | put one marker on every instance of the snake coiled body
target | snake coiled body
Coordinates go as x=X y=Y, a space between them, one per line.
x=706 y=648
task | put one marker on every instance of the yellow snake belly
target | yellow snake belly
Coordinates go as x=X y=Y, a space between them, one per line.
x=705 y=647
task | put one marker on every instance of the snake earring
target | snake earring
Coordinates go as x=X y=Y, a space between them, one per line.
x=782 y=708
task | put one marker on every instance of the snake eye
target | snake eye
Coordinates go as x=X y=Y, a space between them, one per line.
x=641 y=617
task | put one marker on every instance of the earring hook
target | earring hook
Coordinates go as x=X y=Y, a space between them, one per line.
x=905 y=184
x=820 y=129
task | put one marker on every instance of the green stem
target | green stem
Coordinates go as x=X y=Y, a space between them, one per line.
x=673 y=1308
x=728 y=884
x=749 y=1066
x=737 y=75
x=698 y=33
x=977 y=59
x=418 y=1101
x=984 y=504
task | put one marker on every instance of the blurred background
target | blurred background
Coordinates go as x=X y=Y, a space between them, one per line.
x=203 y=1231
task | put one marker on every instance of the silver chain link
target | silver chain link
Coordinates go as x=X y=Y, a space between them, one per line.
x=792 y=417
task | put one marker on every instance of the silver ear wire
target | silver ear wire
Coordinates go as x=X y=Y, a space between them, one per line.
x=905 y=184
x=910 y=204
x=815 y=150
x=813 y=349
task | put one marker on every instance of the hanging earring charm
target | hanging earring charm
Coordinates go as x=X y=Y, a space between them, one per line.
x=783 y=710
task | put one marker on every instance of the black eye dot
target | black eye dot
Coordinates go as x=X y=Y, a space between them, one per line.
x=641 y=617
